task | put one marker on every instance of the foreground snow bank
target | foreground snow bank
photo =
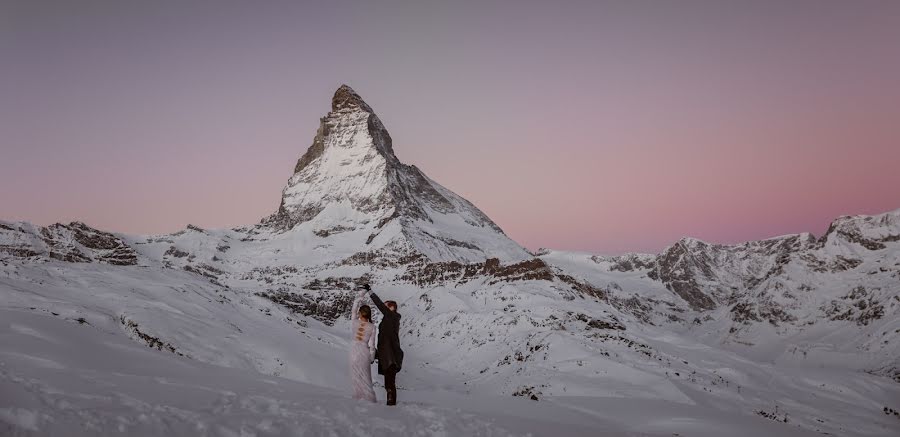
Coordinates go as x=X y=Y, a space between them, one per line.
x=62 y=377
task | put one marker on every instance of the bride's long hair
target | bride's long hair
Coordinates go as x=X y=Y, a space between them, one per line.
x=366 y=312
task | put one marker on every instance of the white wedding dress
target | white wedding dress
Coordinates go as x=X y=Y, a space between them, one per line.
x=362 y=353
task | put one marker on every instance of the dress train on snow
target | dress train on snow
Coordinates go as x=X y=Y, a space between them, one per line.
x=362 y=353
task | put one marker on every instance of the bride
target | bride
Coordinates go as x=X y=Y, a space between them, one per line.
x=362 y=349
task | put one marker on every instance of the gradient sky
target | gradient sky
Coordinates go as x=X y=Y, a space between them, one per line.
x=595 y=126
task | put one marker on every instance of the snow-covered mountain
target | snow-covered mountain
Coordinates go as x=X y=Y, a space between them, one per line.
x=350 y=182
x=784 y=336
x=837 y=294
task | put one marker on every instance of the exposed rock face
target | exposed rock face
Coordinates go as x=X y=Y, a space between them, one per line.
x=870 y=232
x=75 y=242
x=351 y=167
x=105 y=247
x=326 y=306
x=703 y=274
x=770 y=280
x=628 y=262
x=432 y=274
x=681 y=266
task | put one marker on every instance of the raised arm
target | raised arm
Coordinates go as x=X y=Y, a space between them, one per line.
x=354 y=313
x=379 y=304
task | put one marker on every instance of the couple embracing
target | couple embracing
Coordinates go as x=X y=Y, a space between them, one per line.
x=363 y=349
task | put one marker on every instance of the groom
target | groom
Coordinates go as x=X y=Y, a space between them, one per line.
x=390 y=356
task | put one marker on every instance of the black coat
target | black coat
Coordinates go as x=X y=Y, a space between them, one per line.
x=390 y=356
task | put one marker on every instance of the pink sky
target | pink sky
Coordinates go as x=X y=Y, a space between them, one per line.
x=597 y=126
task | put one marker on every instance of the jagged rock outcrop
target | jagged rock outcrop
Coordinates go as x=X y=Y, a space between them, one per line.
x=870 y=232
x=780 y=280
x=75 y=242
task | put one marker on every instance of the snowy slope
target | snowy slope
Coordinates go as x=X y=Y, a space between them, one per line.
x=62 y=378
x=93 y=349
x=792 y=299
x=243 y=331
x=572 y=331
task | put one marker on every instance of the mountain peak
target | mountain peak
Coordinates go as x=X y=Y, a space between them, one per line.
x=349 y=182
x=345 y=98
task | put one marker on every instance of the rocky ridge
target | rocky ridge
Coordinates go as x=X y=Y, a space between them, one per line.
x=351 y=164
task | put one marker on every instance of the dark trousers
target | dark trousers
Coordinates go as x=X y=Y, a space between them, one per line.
x=390 y=385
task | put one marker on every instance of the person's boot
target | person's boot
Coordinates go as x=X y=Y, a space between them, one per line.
x=392 y=397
